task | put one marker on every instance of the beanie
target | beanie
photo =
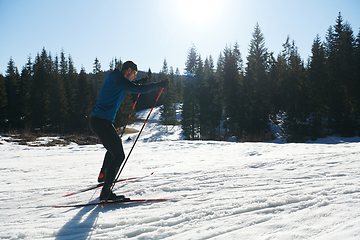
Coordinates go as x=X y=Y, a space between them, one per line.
x=129 y=64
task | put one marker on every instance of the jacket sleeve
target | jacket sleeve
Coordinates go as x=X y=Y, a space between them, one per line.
x=124 y=84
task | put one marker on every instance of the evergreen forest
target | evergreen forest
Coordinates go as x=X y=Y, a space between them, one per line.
x=232 y=97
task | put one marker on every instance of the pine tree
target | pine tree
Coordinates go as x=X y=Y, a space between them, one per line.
x=12 y=79
x=63 y=69
x=97 y=75
x=292 y=90
x=112 y=65
x=167 y=110
x=357 y=78
x=209 y=102
x=257 y=84
x=231 y=64
x=178 y=86
x=334 y=75
x=118 y=64
x=299 y=110
x=25 y=94
x=317 y=77
x=172 y=98
x=163 y=74
x=3 y=103
x=348 y=68
x=58 y=102
x=40 y=97
x=317 y=85
x=340 y=46
x=190 y=107
x=84 y=102
x=70 y=87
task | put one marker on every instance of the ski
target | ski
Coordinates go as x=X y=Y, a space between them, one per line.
x=126 y=201
x=102 y=184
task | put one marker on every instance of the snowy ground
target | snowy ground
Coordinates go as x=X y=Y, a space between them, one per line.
x=244 y=190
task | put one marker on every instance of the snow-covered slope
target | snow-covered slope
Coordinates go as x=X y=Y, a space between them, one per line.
x=241 y=190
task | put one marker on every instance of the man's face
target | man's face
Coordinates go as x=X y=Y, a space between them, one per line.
x=130 y=74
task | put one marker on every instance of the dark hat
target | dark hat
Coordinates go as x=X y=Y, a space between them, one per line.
x=129 y=64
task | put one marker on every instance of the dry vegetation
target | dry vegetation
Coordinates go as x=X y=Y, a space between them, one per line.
x=50 y=139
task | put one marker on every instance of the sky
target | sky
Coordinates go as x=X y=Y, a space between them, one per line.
x=150 y=31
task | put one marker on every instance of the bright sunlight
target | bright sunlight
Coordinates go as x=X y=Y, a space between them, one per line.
x=198 y=11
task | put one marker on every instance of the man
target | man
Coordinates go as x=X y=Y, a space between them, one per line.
x=112 y=93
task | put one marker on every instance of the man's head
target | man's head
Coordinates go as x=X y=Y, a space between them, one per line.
x=129 y=68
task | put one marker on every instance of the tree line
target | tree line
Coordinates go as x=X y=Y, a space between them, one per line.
x=48 y=95
x=306 y=100
x=232 y=98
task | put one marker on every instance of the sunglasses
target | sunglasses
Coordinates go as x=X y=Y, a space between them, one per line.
x=135 y=72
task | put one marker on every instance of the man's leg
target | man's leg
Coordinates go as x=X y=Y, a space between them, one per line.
x=112 y=142
x=106 y=163
x=114 y=146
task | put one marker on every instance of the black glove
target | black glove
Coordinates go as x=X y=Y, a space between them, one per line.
x=163 y=83
x=142 y=80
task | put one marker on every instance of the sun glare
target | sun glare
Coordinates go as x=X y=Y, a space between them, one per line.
x=198 y=11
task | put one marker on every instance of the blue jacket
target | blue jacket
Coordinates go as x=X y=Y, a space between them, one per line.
x=112 y=94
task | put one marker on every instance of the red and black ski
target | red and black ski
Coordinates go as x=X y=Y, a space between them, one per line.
x=102 y=184
x=126 y=201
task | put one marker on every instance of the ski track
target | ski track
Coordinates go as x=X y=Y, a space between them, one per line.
x=221 y=190
x=240 y=190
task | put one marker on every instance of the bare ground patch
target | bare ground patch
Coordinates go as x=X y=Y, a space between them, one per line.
x=51 y=139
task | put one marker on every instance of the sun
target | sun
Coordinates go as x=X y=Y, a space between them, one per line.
x=198 y=11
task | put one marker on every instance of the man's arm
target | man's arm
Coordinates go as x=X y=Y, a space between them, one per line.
x=128 y=86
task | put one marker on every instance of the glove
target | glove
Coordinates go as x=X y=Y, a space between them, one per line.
x=142 y=80
x=163 y=83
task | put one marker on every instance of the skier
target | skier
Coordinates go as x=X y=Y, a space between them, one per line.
x=109 y=100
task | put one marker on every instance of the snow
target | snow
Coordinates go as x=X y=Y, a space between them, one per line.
x=224 y=190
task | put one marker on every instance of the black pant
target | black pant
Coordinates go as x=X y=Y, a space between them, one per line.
x=114 y=156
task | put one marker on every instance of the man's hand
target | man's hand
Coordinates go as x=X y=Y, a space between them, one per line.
x=163 y=83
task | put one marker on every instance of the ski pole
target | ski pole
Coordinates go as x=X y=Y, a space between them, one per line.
x=144 y=80
x=137 y=98
x=122 y=166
